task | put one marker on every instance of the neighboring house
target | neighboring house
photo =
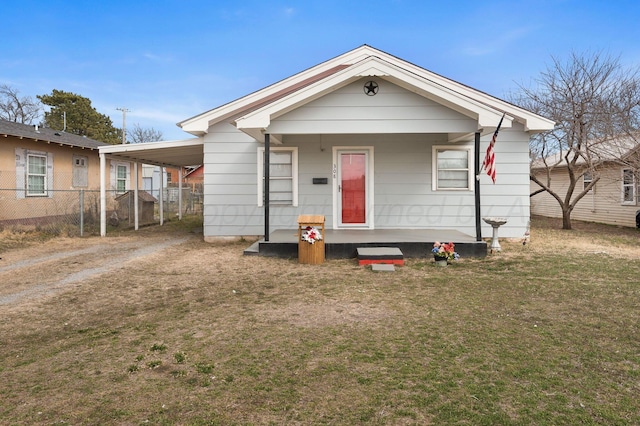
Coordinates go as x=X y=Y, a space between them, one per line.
x=173 y=176
x=194 y=176
x=366 y=139
x=151 y=179
x=614 y=199
x=170 y=182
x=40 y=167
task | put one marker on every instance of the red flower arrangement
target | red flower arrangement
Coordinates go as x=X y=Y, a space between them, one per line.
x=311 y=235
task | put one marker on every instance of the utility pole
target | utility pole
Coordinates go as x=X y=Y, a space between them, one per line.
x=124 y=124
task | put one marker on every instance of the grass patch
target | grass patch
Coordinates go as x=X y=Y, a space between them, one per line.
x=520 y=337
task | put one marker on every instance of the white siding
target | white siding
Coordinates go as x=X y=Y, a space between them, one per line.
x=230 y=189
x=403 y=195
x=393 y=110
x=509 y=197
x=603 y=204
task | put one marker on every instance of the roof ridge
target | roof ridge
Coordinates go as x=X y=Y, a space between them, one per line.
x=47 y=134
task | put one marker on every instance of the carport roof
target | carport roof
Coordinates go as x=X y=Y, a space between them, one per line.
x=182 y=153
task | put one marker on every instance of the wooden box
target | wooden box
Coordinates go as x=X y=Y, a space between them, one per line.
x=308 y=253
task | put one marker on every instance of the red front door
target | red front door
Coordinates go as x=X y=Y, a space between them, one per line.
x=353 y=168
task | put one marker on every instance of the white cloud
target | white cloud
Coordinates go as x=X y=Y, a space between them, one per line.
x=157 y=58
x=502 y=41
x=289 y=12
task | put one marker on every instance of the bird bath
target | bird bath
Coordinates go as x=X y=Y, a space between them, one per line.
x=495 y=222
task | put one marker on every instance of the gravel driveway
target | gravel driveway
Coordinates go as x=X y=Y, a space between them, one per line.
x=43 y=269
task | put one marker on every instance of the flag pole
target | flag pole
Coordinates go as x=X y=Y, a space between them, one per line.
x=476 y=162
x=477 y=170
x=489 y=159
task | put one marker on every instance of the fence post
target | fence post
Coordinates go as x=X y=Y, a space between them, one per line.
x=82 y=212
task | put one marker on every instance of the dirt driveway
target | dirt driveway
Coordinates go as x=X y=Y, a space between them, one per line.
x=44 y=269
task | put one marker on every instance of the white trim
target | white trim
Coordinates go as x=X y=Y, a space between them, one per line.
x=113 y=176
x=21 y=176
x=294 y=173
x=434 y=166
x=45 y=176
x=199 y=124
x=103 y=194
x=136 y=204
x=373 y=66
x=188 y=152
x=370 y=186
x=633 y=185
x=587 y=178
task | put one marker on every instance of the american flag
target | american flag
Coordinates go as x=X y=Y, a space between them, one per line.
x=489 y=163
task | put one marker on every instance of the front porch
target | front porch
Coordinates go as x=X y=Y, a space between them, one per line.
x=342 y=244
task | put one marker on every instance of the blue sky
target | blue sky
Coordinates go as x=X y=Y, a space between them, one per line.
x=168 y=60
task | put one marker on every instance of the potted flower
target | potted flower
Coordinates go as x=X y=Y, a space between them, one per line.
x=443 y=253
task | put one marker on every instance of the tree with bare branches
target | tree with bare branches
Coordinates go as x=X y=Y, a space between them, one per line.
x=141 y=135
x=16 y=108
x=594 y=101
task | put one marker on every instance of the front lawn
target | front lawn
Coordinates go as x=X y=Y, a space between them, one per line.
x=542 y=333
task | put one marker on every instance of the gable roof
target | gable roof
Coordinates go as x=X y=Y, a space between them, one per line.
x=45 y=134
x=617 y=149
x=254 y=112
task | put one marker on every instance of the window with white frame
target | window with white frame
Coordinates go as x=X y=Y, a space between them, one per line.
x=283 y=176
x=587 y=178
x=451 y=168
x=121 y=179
x=36 y=175
x=628 y=187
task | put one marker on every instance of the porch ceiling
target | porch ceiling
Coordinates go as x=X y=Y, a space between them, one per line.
x=180 y=153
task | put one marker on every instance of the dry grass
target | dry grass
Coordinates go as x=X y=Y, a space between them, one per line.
x=545 y=333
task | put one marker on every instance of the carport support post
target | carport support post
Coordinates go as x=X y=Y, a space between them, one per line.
x=180 y=193
x=267 y=162
x=135 y=197
x=81 y=194
x=476 y=162
x=160 y=200
x=103 y=196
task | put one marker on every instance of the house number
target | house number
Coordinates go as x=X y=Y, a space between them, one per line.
x=335 y=170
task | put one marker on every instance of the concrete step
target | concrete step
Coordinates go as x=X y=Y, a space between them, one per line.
x=380 y=255
x=378 y=267
x=253 y=250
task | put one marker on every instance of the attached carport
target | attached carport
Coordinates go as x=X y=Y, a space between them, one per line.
x=176 y=154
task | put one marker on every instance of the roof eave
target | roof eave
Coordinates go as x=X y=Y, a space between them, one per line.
x=464 y=103
x=199 y=124
x=244 y=107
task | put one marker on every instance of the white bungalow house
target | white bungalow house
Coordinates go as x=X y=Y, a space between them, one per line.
x=371 y=142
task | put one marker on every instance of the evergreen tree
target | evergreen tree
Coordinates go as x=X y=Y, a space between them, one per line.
x=81 y=118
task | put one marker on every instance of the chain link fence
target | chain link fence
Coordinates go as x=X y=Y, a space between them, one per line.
x=76 y=212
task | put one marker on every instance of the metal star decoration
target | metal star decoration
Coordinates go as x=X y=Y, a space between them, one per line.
x=370 y=88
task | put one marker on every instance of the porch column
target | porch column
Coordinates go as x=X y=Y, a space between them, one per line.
x=267 y=148
x=103 y=196
x=135 y=197
x=476 y=162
